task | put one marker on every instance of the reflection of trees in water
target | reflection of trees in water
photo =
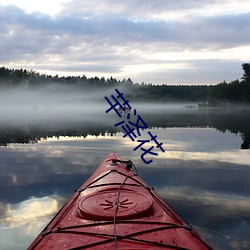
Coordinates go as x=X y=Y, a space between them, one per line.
x=237 y=123
x=246 y=141
x=233 y=121
x=16 y=137
x=35 y=134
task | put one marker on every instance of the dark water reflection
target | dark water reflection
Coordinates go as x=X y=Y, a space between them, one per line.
x=204 y=174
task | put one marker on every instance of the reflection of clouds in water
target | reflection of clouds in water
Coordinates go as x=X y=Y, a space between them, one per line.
x=208 y=179
x=229 y=203
x=69 y=156
x=204 y=144
x=2 y=209
x=22 y=222
x=226 y=216
x=198 y=139
x=228 y=239
x=234 y=156
x=29 y=212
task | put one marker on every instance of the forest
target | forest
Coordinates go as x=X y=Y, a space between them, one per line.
x=224 y=93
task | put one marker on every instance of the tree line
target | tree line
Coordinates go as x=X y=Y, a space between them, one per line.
x=236 y=91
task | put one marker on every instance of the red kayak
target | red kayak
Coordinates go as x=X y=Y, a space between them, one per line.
x=116 y=209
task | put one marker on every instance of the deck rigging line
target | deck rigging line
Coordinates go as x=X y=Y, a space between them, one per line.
x=129 y=164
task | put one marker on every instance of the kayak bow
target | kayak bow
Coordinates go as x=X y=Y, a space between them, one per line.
x=116 y=209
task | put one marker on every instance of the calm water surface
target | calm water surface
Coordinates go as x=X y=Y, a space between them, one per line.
x=204 y=174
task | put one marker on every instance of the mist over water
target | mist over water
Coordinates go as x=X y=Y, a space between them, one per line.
x=60 y=107
x=57 y=103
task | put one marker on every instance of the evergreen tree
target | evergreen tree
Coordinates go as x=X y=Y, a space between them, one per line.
x=246 y=69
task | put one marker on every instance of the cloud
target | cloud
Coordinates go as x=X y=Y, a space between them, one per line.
x=144 y=10
x=122 y=30
x=114 y=38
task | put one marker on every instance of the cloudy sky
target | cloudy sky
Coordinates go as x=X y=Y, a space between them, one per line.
x=154 y=41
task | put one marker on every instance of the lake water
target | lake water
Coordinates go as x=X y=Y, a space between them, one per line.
x=204 y=173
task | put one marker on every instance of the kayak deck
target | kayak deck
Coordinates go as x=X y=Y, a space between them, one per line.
x=116 y=209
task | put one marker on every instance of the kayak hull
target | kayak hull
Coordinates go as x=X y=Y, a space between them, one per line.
x=116 y=209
